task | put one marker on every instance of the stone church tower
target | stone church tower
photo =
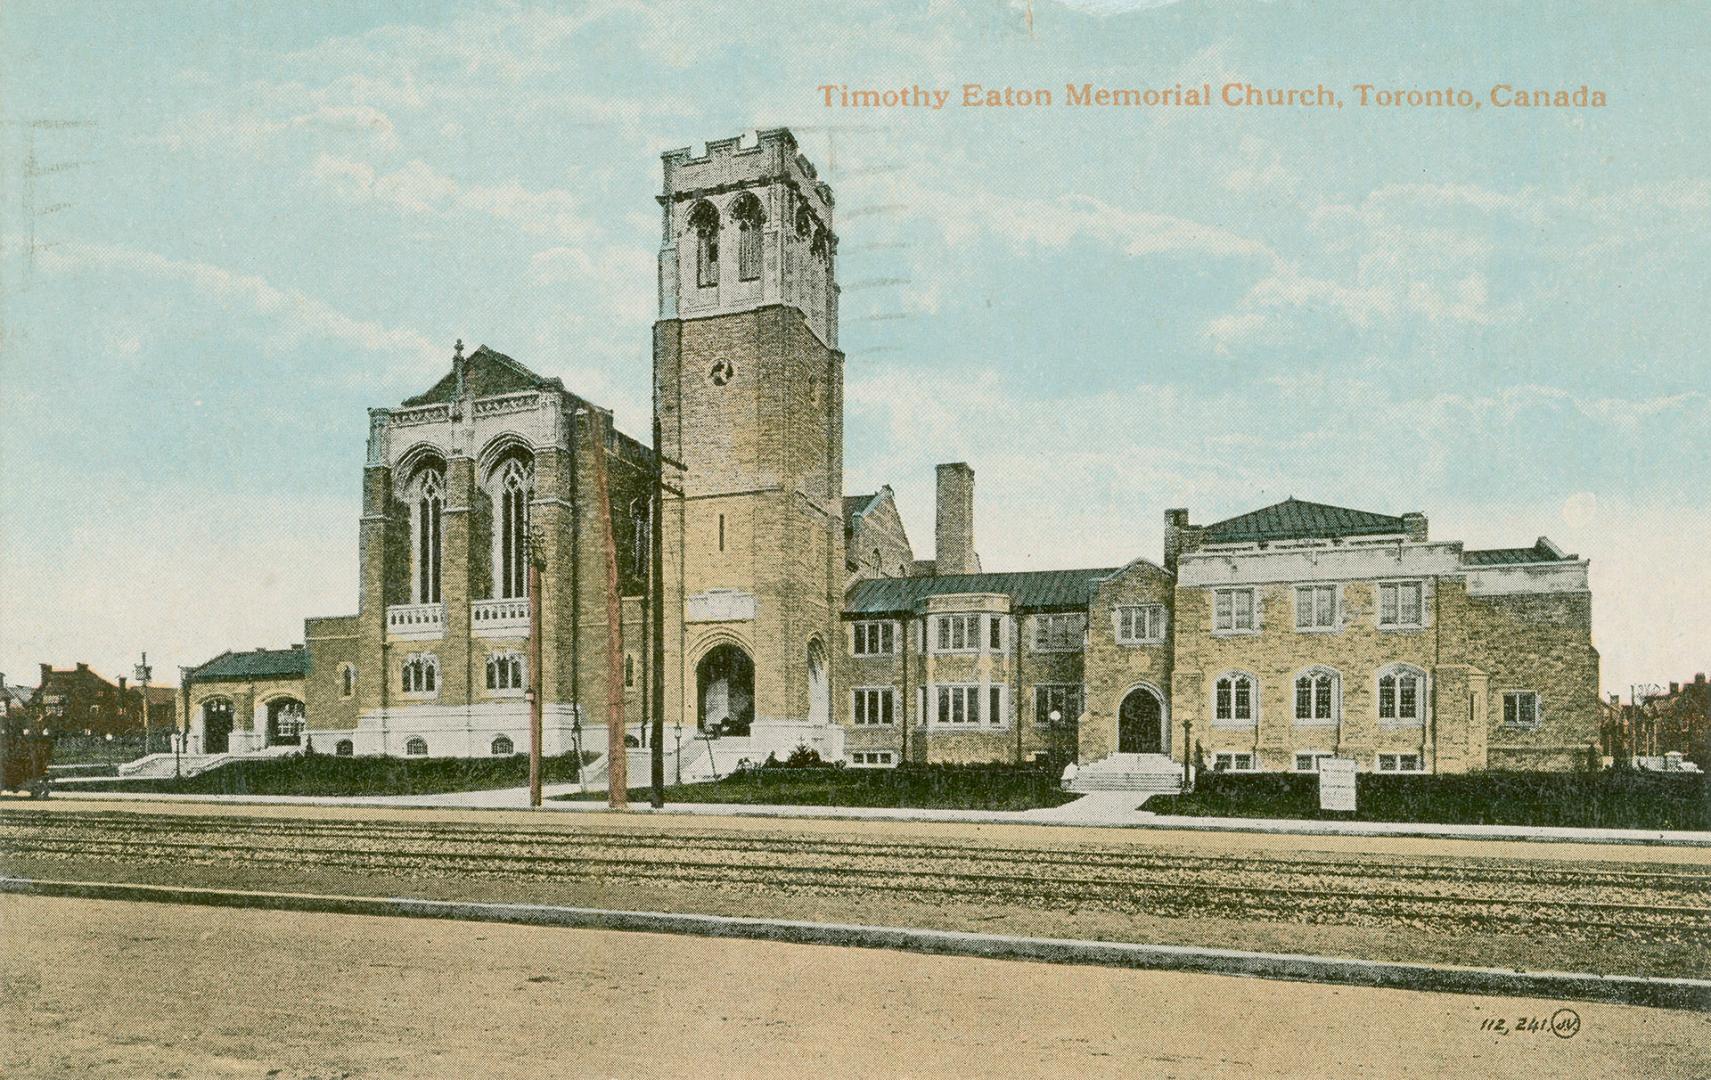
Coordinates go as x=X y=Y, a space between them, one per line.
x=748 y=390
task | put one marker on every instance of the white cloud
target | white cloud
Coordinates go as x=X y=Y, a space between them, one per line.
x=418 y=188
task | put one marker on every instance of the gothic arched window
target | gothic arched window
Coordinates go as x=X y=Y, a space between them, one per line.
x=750 y=217
x=503 y=747
x=416 y=746
x=430 y=504
x=1233 y=699
x=1401 y=695
x=421 y=674
x=505 y=671
x=515 y=488
x=1316 y=696
x=704 y=221
x=347 y=680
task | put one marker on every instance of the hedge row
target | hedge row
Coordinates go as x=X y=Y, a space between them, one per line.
x=1613 y=799
x=321 y=774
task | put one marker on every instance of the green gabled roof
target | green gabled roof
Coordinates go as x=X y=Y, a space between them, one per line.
x=1031 y=589
x=260 y=664
x=1539 y=552
x=486 y=373
x=1294 y=519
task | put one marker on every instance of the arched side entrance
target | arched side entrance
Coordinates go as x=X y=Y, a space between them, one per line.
x=216 y=725
x=819 y=684
x=1140 y=723
x=285 y=722
x=725 y=691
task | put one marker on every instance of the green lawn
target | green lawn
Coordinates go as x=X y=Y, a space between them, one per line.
x=1612 y=799
x=321 y=774
x=946 y=787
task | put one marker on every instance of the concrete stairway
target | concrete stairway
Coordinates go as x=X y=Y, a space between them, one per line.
x=1150 y=773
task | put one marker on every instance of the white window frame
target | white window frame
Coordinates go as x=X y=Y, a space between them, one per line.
x=503 y=668
x=967 y=627
x=1396 y=762
x=873 y=759
x=1314 y=610
x=1233 y=721
x=430 y=672
x=1140 y=624
x=996 y=638
x=866 y=700
x=1227 y=622
x=1315 y=755
x=1397 y=622
x=1399 y=672
x=1062 y=631
x=1538 y=711
x=869 y=633
x=946 y=698
x=1229 y=759
x=1334 y=702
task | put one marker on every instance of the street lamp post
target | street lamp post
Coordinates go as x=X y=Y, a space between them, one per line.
x=1187 y=753
x=537 y=558
x=678 y=730
x=142 y=672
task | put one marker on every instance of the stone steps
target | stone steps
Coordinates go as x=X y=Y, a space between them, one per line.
x=1148 y=773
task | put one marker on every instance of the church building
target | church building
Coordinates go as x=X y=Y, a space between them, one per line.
x=796 y=614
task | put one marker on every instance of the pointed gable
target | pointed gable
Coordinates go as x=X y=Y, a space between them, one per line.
x=1296 y=519
x=486 y=373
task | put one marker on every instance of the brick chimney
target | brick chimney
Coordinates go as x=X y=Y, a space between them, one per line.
x=1414 y=526
x=953 y=536
x=1179 y=536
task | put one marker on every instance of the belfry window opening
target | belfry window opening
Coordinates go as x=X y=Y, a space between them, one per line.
x=704 y=220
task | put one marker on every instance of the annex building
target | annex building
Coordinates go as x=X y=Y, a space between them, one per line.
x=795 y=613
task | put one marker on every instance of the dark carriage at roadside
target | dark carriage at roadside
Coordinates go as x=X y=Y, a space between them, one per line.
x=25 y=754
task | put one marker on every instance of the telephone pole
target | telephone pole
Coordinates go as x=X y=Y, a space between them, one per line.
x=537 y=556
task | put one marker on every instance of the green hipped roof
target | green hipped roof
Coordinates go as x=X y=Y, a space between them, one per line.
x=1538 y=553
x=260 y=664
x=486 y=373
x=1294 y=519
x=1032 y=589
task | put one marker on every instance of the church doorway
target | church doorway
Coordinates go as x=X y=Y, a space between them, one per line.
x=1140 y=723
x=216 y=726
x=819 y=685
x=725 y=691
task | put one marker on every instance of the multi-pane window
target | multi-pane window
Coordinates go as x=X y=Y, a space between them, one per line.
x=1235 y=761
x=1140 y=623
x=1233 y=699
x=421 y=674
x=1233 y=609
x=1059 y=633
x=1401 y=603
x=874 y=638
x=1401 y=696
x=505 y=671
x=870 y=757
x=1401 y=763
x=874 y=705
x=1521 y=709
x=959 y=705
x=416 y=746
x=995 y=633
x=426 y=515
x=958 y=633
x=1315 y=607
x=1063 y=699
x=1309 y=762
x=515 y=489
x=1315 y=697
x=502 y=747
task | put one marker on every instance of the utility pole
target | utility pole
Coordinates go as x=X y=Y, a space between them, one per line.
x=656 y=614
x=143 y=671
x=537 y=556
x=617 y=758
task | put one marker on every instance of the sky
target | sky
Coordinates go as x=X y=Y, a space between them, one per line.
x=228 y=229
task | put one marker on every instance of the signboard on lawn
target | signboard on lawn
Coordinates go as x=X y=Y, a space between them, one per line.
x=1337 y=784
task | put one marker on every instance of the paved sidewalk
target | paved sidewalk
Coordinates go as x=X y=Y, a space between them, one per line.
x=1104 y=809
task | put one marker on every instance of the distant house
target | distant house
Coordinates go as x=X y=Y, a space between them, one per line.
x=14 y=700
x=81 y=701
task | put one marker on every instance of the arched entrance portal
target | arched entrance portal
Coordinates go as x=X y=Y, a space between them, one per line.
x=284 y=722
x=819 y=685
x=725 y=691
x=1140 y=723
x=216 y=726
